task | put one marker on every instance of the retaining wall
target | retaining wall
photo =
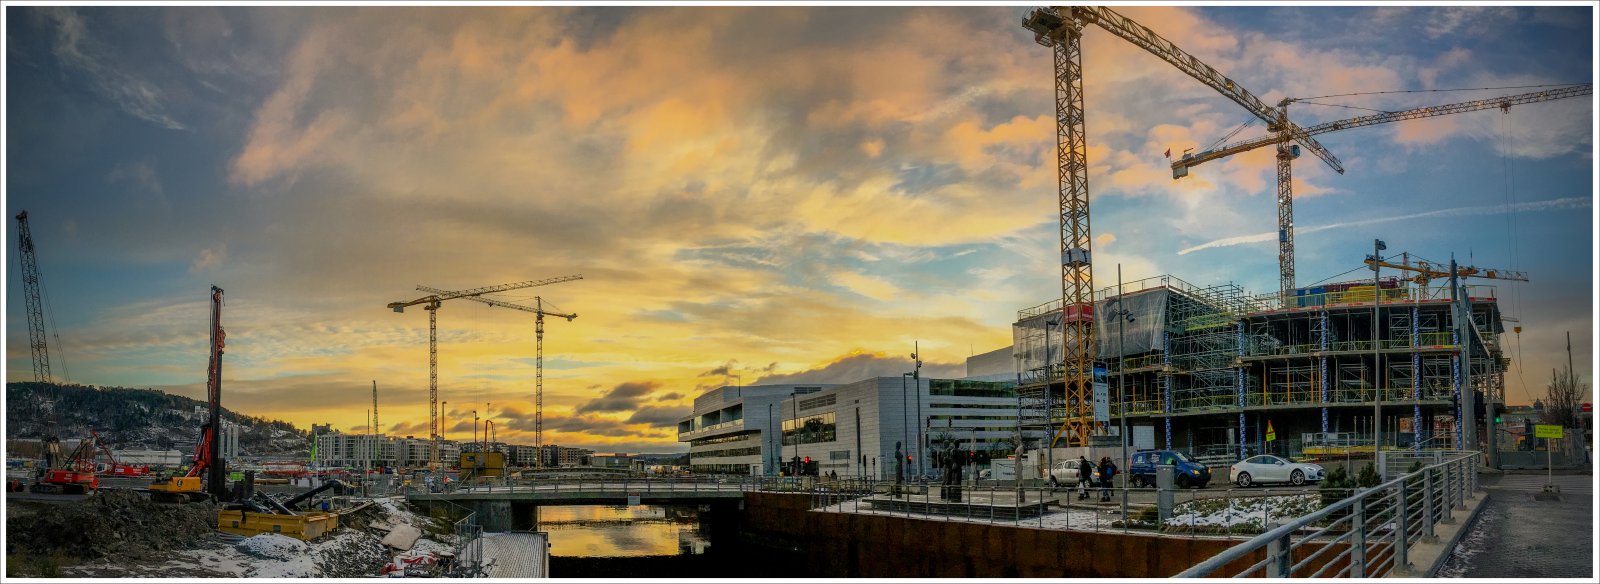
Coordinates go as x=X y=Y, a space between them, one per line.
x=851 y=545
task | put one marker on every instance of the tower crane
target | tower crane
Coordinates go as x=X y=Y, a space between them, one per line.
x=1428 y=271
x=431 y=303
x=1061 y=29
x=30 y=296
x=1281 y=137
x=538 y=385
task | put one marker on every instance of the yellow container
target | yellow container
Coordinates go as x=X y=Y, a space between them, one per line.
x=305 y=527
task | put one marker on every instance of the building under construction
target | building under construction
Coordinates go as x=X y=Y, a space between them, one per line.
x=1209 y=369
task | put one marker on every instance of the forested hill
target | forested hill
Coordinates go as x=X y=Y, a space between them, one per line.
x=127 y=418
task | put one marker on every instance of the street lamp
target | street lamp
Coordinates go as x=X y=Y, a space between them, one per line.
x=474 y=426
x=905 y=417
x=1377 y=355
x=1123 y=316
x=916 y=382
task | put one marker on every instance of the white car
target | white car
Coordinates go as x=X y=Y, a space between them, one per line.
x=1267 y=468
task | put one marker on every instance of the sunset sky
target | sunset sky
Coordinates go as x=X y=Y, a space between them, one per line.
x=778 y=194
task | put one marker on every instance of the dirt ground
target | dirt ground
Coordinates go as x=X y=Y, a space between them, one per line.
x=124 y=534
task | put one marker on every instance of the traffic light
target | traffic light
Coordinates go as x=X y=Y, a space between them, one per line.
x=808 y=460
x=1497 y=418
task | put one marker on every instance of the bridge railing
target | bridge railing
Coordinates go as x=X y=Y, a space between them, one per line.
x=631 y=484
x=1367 y=535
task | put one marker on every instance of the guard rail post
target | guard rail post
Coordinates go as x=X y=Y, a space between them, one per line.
x=1358 y=539
x=1279 y=558
x=1402 y=563
x=1428 y=518
x=1447 y=506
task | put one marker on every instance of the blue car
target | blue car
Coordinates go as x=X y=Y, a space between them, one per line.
x=1188 y=473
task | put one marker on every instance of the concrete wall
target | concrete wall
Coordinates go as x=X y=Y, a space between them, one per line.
x=845 y=545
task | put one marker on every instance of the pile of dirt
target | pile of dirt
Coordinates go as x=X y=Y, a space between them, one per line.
x=111 y=523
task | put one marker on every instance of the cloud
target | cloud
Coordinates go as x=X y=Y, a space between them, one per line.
x=669 y=396
x=625 y=396
x=76 y=49
x=859 y=365
x=210 y=258
x=1549 y=205
x=658 y=416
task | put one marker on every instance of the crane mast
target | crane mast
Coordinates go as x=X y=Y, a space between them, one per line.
x=31 y=298
x=538 y=392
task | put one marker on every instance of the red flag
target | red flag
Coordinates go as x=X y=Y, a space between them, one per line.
x=1169 y=153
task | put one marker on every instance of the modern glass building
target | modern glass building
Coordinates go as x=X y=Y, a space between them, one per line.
x=850 y=430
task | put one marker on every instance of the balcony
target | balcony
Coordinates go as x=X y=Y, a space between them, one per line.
x=712 y=429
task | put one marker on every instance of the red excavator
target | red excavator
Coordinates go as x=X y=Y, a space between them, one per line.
x=207 y=478
x=73 y=474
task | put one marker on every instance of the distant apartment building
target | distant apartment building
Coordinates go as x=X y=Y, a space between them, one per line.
x=566 y=456
x=353 y=450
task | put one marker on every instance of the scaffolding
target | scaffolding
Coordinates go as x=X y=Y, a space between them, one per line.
x=1200 y=357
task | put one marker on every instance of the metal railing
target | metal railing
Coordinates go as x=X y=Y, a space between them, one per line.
x=1221 y=513
x=1367 y=535
x=689 y=484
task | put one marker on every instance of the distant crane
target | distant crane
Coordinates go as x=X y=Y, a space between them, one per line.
x=538 y=386
x=1428 y=271
x=31 y=298
x=375 y=407
x=431 y=304
x=1281 y=136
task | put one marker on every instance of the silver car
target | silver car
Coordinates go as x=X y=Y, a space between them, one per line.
x=1267 y=468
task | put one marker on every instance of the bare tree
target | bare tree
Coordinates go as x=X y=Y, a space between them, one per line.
x=1564 y=395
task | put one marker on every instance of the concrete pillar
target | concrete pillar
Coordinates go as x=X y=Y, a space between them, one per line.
x=494 y=516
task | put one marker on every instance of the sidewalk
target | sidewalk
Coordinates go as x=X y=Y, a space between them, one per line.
x=1517 y=536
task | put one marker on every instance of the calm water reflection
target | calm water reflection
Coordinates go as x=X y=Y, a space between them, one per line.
x=650 y=541
x=623 y=531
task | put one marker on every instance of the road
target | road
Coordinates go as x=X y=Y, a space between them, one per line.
x=1517 y=536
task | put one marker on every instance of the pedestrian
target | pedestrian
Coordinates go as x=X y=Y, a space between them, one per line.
x=1085 y=476
x=1108 y=472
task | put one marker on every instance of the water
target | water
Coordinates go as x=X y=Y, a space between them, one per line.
x=655 y=541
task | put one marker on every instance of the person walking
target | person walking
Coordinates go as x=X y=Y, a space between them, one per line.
x=1085 y=476
x=1108 y=472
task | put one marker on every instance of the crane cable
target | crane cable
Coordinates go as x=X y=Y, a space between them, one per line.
x=1511 y=234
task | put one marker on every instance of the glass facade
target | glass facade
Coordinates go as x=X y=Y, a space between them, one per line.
x=965 y=388
x=811 y=429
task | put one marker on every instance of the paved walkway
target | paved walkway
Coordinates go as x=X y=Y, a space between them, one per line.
x=1517 y=536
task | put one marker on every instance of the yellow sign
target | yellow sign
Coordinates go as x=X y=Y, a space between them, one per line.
x=1545 y=431
x=1271 y=434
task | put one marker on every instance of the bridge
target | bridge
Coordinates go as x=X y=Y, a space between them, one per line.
x=513 y=504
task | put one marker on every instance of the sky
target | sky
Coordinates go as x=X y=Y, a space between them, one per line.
x=751 y=195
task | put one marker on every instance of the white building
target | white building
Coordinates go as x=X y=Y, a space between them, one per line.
x=170 y=458
x=851 y=429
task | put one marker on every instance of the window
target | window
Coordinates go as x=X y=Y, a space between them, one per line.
x=810 y=430
x=839 y=455
x=1168 y=458
x=1140 y=458
x=1257 y=460
x=971 y=388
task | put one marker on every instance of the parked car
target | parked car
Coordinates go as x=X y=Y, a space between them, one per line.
x=1065 y=472
x=1267 y=468
x=1187 y=471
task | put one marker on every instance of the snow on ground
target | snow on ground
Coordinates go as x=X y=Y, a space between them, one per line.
x=1254 y=511
x=1080 y=519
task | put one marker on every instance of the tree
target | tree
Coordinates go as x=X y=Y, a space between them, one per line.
x=1564 y=395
